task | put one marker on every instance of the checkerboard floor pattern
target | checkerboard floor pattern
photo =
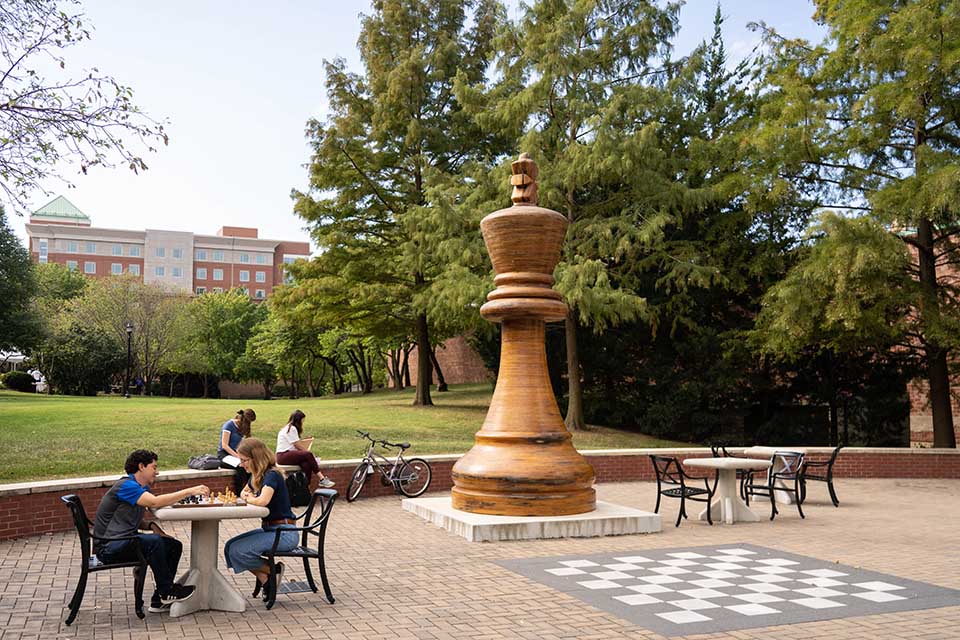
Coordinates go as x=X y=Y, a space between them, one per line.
x=721 y=588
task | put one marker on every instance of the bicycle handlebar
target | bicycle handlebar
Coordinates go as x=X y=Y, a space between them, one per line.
x=384 y=443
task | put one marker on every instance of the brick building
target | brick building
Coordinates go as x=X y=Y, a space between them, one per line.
x=179 y=260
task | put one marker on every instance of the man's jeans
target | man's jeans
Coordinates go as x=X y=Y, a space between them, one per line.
x=162 y=554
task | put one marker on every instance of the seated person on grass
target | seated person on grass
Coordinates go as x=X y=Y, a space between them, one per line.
x=121 y=514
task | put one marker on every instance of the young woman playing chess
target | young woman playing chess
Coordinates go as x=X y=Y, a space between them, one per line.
x=266 y=488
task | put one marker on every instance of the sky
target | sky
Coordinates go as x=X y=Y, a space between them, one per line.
x=236 y=81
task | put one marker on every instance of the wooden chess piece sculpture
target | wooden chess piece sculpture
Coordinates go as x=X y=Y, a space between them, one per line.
x=523 y=462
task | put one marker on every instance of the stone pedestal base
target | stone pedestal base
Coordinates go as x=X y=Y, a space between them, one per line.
x=607 y=520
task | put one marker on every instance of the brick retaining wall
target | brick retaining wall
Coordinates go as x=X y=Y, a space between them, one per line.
x=34 y=507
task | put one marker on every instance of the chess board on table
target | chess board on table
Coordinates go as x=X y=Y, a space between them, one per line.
x=208 y=502
x=727 y=587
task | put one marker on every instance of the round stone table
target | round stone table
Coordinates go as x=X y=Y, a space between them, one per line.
x=727 y=507
x=213 y=591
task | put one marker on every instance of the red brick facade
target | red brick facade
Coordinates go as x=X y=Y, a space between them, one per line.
x=459 y=362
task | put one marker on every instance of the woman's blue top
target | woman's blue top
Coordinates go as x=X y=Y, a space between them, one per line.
x=235 y=437
x=279 y=505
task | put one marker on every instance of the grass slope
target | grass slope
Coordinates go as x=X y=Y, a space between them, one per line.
x=45 y=437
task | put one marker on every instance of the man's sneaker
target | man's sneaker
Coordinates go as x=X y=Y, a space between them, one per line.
x=178 y=593
x=158 y=607
x=326 y=483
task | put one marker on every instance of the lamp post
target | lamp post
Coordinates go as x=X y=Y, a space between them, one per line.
x=126 y=380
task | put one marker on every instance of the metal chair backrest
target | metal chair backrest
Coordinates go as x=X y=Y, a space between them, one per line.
x=82 y=523
x=833 y=456
x=668 y=470
x=790 y=462
x=318 y=527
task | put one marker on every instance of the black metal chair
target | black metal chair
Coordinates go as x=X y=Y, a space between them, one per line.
x=89 y=563
x=317 y=527
x=822 y=472
x=786 y=467
x=670 y=474
x=719 y=450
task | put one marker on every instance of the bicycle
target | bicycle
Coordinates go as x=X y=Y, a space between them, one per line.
x=409 y=477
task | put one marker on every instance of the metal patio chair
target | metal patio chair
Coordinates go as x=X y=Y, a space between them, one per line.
x=672 y=482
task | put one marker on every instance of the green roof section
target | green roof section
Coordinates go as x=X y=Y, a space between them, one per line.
x=60 y=207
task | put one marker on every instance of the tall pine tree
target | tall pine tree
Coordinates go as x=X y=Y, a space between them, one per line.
x=867 y=123
x=394 y=130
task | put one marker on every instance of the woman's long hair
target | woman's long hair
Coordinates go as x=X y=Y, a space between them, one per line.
x=261 y=460
x=296 y=419
x=243 y=419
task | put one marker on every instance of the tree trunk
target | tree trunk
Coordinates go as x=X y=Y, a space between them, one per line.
x=173 y=381
x=267 y=388
x=834 y=423
x=422 y=397
x=206 y=386
x=395 y=368
x=938 y=375
x=574 y=420
x=406 y=366
x=441 y=383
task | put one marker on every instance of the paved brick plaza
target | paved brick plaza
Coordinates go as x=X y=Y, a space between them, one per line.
x=395 y=576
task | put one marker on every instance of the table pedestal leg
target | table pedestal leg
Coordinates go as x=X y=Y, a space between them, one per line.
x=213 y=591
x=727 y=507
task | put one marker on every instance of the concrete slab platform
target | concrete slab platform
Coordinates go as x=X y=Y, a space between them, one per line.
x=607 y=520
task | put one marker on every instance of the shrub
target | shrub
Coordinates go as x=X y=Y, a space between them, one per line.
x=18 y=381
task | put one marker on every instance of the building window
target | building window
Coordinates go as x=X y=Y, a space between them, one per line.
x=177 y=272
x=116 y=268
x=218 y=274
x=135 y=251
x=261 y=293
x=72 y=265
x=218 y=289
x=158 y=271
x=134 y=269
x=261 y=258
x=202 y=273
x=160 y=252
x=178 y=254
x=116 y=250
x=91 y=247
x=201 y=254
x=218 y=256
x=90 y=267
x=201 y=291
x=244 y=258
x=43 y=251
x=72 y=247
x=244 y=276
x=261 y=276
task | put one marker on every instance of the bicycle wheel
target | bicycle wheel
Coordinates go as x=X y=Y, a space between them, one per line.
x=414 y=477
x=356 y=482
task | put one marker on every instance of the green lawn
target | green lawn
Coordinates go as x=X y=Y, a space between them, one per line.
x=64 y=436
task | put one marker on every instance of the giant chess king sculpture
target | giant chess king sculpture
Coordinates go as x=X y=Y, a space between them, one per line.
x=523 y=462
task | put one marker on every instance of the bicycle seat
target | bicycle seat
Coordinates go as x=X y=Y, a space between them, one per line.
x=404 y=446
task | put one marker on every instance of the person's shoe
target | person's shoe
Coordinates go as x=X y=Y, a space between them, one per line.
x=158 y=607
x=326 y=483
x=278 y=576
x=178 y=594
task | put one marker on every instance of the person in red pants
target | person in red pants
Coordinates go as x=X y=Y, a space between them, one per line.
x=294 y=449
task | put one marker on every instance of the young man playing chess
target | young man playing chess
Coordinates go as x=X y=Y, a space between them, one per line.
x=121 y=514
